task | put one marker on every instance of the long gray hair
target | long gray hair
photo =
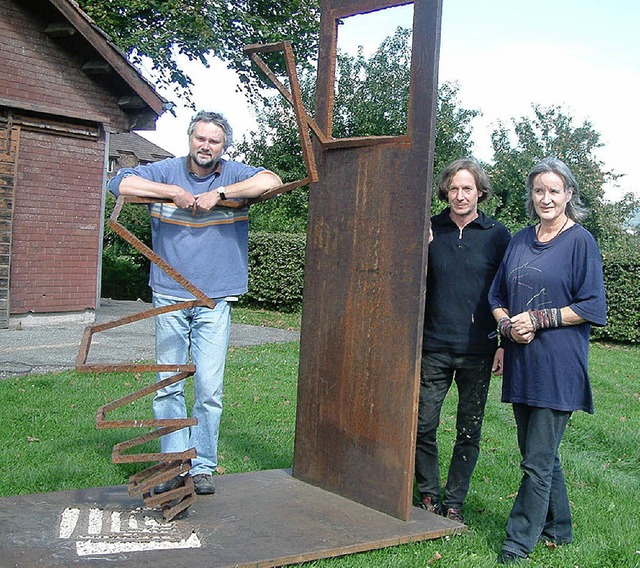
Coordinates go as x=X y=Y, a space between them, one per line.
x=214 y=118
x=575 y=210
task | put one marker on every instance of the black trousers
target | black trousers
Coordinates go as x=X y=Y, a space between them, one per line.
x=472 y=375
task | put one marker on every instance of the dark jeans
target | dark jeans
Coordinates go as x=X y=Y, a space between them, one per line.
x=542 y=505
x=472 y=374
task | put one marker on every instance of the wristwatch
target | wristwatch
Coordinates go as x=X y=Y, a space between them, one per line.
x=220 y=191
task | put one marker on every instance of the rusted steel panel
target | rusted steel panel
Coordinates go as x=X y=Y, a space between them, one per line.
x=364 y=291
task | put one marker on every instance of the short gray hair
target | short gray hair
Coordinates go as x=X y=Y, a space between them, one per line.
x=214 y=118
x=575 y=210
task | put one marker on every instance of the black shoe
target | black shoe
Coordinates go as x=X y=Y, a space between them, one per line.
x=169 y=485
x=204 y=484
x=430 y=504
x=506 y=557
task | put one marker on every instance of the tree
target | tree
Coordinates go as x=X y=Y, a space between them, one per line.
x=453 y=135
x=371 y=99
x=276 y=145
x=159 y=30
x=372 y=95
x=551 y=132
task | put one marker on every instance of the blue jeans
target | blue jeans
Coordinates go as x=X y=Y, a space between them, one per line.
x=472 y=374
x=203 y=334
x=541 y=508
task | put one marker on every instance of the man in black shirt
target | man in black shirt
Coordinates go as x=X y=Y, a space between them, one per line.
x=459 y=343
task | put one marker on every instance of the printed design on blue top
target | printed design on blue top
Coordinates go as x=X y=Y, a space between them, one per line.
x=170 y=213
x=521 y=276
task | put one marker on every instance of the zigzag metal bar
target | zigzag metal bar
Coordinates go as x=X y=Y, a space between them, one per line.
x=171 y=464
x=100 y=414
x=295 y=98
x=305 y=122
x=144 y=481
x=163 y=426
x=284 y=188
x=152 y=256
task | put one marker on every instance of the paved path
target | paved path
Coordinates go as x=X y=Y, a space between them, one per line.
x=53 y=345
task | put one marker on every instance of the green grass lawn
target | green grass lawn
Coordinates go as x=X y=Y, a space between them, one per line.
x=49 y=443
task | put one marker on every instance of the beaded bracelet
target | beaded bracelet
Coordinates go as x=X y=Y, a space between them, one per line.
x=545 y=318
x=504 y=327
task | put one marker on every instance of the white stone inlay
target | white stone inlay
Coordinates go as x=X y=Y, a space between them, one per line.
x=95 y=521
x=68 y=522
x=100 y=532
x=91 y=547
x=115 y=522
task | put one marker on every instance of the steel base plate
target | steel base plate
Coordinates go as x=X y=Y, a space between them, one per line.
x=265 y=518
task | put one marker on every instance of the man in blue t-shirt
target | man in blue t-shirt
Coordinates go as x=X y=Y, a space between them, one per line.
x=458 y=343
x=207 y=244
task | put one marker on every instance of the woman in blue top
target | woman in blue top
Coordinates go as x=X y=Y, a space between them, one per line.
x=547 y=293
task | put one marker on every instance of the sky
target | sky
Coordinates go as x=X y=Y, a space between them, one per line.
x=505 y=55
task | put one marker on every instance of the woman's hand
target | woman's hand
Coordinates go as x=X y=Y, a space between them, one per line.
x=522 y=330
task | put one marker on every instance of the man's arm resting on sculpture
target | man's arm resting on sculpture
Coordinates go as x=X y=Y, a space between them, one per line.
x=251 y=187
x=140 y=187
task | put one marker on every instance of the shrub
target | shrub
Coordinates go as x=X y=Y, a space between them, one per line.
x=125 y=270
x=276 y=271
x=123 y=277
x=621 y=269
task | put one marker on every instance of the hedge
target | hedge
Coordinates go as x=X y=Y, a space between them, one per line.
x=276 y=275
x=621 y=270
x=276 y=271
x=124 y=277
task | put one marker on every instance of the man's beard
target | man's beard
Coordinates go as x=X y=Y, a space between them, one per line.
x=204 y=161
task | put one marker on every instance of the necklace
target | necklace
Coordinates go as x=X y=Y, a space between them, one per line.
x=554 y=236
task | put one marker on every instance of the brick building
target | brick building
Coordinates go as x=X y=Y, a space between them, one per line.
x=64 y=88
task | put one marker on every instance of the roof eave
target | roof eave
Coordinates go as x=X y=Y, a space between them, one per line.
x=103 y=44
